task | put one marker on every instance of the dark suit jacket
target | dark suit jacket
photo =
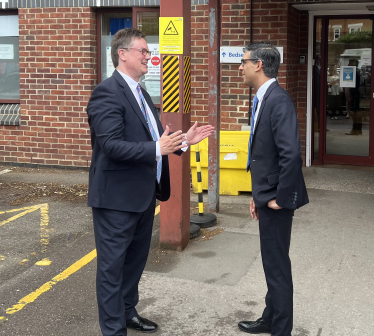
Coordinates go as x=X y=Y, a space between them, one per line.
x=123 y=166
x=275 y=153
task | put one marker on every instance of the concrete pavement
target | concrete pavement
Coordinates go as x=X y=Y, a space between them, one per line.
x=218 y=280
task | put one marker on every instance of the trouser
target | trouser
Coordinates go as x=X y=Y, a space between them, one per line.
x=275 y=236
x=122 y=243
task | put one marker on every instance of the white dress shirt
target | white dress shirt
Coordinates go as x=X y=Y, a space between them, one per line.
x=260 y=95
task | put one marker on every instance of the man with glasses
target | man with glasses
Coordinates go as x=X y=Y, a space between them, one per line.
x=278 y=187
x=129 y=169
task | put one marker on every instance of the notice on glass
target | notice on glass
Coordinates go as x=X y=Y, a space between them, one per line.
x=348 y=76
x=6 y=51
x=109 y=63
x=171 y=35
x=154 y=62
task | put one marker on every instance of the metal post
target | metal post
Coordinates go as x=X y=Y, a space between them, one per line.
x=214 y=104
x=175 y=213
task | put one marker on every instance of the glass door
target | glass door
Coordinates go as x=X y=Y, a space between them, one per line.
x=343 y=91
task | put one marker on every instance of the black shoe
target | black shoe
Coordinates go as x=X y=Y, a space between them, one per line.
x=255 y=327
x=141 y=324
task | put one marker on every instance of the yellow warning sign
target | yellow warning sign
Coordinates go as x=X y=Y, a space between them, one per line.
x=171 y=35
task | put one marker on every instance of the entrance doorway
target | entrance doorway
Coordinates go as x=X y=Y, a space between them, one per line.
x=343 y=113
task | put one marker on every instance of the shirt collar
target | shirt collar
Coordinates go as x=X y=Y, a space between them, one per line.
x=131 y=83
x=263 y=88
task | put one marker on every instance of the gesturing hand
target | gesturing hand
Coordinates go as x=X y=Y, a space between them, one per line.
x=196 y=134
x=171 y=143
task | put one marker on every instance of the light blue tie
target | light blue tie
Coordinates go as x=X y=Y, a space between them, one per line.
x=151 y=129
x=255 y=102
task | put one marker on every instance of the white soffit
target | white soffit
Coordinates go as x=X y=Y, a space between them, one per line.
x=341 y=6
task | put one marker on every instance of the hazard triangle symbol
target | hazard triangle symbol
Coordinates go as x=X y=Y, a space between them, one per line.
x=170 y=29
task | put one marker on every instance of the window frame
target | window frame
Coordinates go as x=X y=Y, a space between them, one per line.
x=11 y=101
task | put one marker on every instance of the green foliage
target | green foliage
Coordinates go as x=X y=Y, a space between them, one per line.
x=356 y=37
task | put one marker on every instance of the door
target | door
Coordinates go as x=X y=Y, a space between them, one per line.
x=343 y=96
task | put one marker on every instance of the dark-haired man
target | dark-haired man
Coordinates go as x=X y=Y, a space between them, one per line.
x=129 y=167
x=278 y=187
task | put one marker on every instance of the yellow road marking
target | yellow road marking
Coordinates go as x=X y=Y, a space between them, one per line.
x=44 y=223
x=48 y=285
x=157 y=210
x=43 y=262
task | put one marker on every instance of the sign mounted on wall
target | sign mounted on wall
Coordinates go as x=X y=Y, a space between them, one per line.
x=235 y=54
x=171 y=35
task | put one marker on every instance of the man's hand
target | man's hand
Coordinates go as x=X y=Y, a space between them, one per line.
x=253 y=210
x=273 y=205
x=171 y=143
x=196 y=134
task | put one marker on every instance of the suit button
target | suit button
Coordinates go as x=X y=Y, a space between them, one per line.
x=154 y=169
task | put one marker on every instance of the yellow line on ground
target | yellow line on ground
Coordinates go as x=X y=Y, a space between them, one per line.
x=25 y=208
x=48 y=285
x=17 y=216
x=157 y=210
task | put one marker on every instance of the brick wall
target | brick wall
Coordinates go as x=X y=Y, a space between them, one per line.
x=297 y=36
x=273 y=21
x=57 y=66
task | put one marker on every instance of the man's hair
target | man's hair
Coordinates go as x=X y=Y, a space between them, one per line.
x=268 y=54
x=123 y=39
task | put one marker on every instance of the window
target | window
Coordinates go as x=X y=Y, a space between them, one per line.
x=144 y=19
x=9 y=59
x=336 y=33
x=355 y=27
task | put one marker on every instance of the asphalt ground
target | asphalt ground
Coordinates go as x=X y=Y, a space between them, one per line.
x=47 y=261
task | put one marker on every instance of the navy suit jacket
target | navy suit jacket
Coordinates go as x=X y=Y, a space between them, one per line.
x=275 y=153
x=123 y=167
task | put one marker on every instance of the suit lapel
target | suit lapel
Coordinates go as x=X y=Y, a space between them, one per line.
x=130 y=97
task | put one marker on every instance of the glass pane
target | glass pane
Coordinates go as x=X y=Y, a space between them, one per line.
x=148 y=23
x=316 y=88
x=110 y=24
x=9 y=67
x=348 y=87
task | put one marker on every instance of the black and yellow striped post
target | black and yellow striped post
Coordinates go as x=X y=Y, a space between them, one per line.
x=201 y=219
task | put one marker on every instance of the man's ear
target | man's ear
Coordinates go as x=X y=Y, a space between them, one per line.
x=122 y=55
x=258 y=65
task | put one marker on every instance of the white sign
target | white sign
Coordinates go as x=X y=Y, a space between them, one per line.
x=109 y=64
x=230 y=156
x=6 y=51
x=231 y=54
x=365 y=59
x=155 y=61
x=235 y=54
x=348 y=76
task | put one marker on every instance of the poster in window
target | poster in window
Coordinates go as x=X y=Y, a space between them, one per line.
x=348 y=76
x=6 y=51
x=109 y=63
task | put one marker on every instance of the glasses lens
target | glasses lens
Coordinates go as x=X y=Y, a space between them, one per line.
x=145 y=52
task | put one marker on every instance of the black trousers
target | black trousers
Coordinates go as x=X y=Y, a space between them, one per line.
x=122 y=243
x=275 y=237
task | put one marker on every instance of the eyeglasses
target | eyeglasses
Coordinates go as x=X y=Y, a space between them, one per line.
x=144 y=51
x=243 y=60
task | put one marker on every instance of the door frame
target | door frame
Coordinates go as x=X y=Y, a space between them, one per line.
x=338 y=159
